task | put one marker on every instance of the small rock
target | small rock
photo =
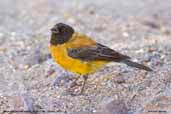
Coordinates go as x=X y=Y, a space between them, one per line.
x=140 y=51
x=151 y=49
x=99 y=28
x=119 y=79
x=26 y=66
x=1 y=34
x=13 y=33
x=113 y=107
x=156 y=62
x=125 y=34
x=152 y=24
x=71 y=20
x=162 y=57
x=13 y=36
x=147 y=57
x=50 y=72
x=92 y=12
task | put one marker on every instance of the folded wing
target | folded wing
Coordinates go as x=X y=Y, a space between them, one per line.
x=101 y=52
x=96 y=52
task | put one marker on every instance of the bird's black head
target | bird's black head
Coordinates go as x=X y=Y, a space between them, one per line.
x=61 y=33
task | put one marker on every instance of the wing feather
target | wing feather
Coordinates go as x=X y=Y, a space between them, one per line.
x=96 y=52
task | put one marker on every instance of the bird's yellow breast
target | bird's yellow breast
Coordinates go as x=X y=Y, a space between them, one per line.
x=60 y=55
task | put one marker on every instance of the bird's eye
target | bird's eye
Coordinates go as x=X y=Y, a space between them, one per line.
x=61 y=30
x=58 y=28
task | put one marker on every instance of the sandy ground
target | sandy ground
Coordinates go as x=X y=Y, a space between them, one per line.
x=138 y=28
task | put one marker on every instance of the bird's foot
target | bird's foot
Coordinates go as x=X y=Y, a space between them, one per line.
x=71 y=82
x=78 y=91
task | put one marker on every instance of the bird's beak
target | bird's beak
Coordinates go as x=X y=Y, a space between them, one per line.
x=54 y=30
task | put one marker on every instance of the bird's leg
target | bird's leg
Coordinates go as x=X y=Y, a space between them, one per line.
x=85 y=77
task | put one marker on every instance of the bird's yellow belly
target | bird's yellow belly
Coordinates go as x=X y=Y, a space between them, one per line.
x=59 y=54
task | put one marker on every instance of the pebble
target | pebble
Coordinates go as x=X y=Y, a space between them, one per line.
x=119 y=79
x=113 y=107
x=50 y=72
x=152 y=24
x=13 y=36
x=71 y=20
x=1 y=34
x=140 y=51
x=125 y=34
x=13 y=33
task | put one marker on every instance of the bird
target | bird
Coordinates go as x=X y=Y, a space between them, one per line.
x=80 y=54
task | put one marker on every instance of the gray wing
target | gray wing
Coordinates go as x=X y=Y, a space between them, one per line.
x=97 y=52
x=101 y=52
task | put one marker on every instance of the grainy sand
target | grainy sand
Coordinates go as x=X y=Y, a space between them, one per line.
x=138 y=28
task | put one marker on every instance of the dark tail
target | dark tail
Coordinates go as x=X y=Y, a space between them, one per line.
x=137 y=65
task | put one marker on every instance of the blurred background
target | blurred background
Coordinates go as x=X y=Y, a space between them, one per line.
x=138 y=28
